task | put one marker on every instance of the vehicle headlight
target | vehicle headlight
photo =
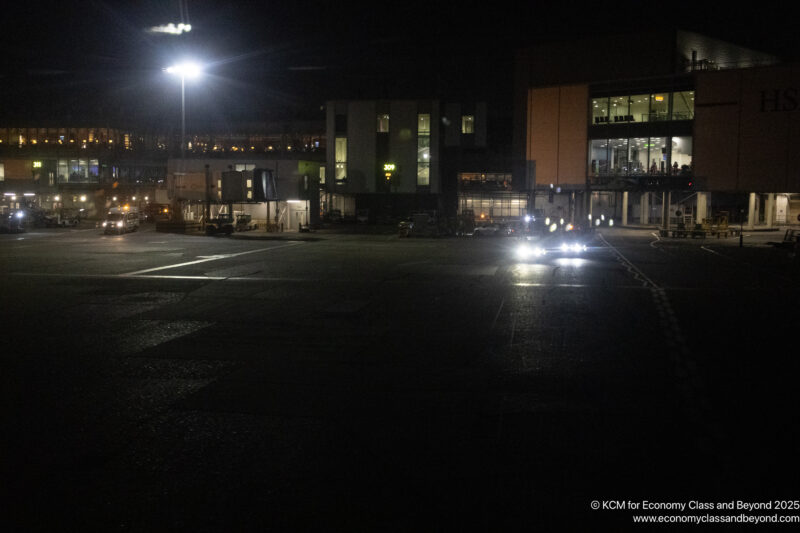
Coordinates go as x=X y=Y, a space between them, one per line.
x=20 y=214
x=610 y=221
x=576 y=247
x=524 y=251
x=553 y=227
x=119 y=224
x=564 y=247
x=104 y=224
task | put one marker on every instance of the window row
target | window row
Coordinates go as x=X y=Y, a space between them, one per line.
x=63 y=136
x=640 y=156
x=112 y=138
x=508 y=206
x=490 y=181
x=424 y=123
x=650 y=107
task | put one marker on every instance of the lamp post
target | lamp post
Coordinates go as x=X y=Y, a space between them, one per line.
x=184 y=70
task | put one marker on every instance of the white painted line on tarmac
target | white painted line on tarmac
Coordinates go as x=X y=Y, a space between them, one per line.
x=206 y=259
x=711 y=251
x=175 y=277
x=223 y=278
x=658 y=238
x=637 y=274
x=690 y=384
x=525 y=284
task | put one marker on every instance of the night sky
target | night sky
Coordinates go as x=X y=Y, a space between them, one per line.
x=275 y=59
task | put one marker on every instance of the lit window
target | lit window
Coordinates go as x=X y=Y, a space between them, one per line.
x=423 y=123
x=423 y=150
x=383 y=123
x=341 y=159
x=468 y=124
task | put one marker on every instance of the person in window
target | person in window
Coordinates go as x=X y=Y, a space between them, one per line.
x=654 y=168
x=675 y=167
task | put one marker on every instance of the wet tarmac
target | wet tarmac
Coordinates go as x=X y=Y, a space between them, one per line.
x=365 y=382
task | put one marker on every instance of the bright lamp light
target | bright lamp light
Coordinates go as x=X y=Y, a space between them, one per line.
x=188 y=69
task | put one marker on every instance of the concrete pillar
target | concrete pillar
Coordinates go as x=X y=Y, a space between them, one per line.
x=625 y=208
x=751 y=211
x=769 y=216
x=665 y=200
x=644 y=218
x=702 y=207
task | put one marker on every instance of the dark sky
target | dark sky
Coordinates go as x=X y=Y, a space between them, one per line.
x=289 y=57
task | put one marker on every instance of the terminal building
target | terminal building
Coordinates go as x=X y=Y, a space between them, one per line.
x=391 y=158
x=49 y=167
x=658 y=128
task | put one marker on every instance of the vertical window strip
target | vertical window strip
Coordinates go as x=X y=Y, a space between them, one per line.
x=423 y=149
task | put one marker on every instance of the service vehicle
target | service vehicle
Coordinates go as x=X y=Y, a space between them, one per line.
x=227 y=223
x=486 y=230
x=564 y=240
x=12 y=222
x=120 y=220
x=63 y=218
x=157 y=213
x=420 y=225
x=222 y=223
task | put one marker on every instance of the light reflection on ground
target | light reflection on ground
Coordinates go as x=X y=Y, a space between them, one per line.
x=530 y=270
x=576 y=262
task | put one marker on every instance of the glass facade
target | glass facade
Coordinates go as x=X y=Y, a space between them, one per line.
x=640 y=156
x=340 y=173
x=493 y=207
x=652 y=107
x=78 y=171
x=683 y=105
x=423 y=150
x=488 y=181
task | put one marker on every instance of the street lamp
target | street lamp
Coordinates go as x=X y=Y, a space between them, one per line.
x=185 y=70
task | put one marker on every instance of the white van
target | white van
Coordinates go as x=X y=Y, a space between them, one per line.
x=120 y=221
